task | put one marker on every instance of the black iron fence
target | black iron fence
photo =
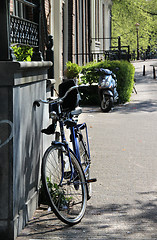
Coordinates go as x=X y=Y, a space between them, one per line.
x=104 y=55
x=24 y=32
x=115 y=53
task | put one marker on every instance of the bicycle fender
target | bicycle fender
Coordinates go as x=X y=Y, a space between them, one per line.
x=55 y=143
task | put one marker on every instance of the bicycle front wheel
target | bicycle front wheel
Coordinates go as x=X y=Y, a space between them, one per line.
x=64 y=186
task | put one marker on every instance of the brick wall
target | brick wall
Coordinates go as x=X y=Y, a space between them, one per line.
x=78 y=30
x=11 y=6
x=47 y=11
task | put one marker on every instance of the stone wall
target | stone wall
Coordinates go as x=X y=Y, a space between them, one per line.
x=21 y=142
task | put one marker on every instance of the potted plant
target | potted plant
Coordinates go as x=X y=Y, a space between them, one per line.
x=72 y=70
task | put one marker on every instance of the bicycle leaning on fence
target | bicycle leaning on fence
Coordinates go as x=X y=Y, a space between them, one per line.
x=65 y=172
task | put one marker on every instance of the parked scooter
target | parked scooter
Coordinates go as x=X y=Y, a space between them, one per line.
x=107 y=89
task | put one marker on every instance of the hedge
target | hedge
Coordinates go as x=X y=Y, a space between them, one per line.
x=125 y=76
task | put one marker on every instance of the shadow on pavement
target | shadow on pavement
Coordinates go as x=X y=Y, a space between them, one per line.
x=112 y=221
x=131 y=107
x=136 y=106
x=137 y=219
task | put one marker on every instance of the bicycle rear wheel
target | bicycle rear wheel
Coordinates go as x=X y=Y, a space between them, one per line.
x=85 y=161
x=66 y=192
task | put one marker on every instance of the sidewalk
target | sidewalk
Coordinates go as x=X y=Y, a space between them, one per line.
x=146 y=84
x=124 y=160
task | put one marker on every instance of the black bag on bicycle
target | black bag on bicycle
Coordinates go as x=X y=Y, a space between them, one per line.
x=72 y=99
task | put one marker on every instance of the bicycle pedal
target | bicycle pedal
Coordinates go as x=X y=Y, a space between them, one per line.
x=91 y=180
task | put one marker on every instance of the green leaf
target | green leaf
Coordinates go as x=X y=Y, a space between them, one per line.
x=23 y=53
x=125 y=14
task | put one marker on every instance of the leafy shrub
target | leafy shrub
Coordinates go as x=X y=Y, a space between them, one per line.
x=57 y=193
x=125 y=76
x=23 y=53
x=90 y=73
x=72 y=70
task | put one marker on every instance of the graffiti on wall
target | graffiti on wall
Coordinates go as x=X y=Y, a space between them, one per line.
x=5 y=135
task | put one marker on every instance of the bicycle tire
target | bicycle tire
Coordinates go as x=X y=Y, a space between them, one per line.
x=68 y=200
x=85 y=161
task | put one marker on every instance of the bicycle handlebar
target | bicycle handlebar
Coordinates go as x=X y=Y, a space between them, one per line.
x=57 y=100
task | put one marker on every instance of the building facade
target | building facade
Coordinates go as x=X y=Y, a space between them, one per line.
x=79 y=28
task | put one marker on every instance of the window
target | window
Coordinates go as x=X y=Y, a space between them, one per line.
x=97 y=20
x=19 y=9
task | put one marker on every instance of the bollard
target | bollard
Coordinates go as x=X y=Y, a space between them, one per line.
x=154 y=75
x=144 y=70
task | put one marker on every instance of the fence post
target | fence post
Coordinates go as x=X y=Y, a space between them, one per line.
x=50 y=57
x=37 y=54
x=5 y=30
x=119 y=48
x=129 y=56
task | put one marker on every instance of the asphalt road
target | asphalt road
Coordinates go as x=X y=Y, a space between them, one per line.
x=124 y=161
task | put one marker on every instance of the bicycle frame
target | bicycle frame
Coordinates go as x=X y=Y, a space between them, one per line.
x=65 y=145
x=74 y=138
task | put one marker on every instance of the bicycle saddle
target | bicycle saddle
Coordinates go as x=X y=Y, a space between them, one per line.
x=49 y=130
x=76 y=112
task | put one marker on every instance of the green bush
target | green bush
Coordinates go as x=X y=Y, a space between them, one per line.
x=72 y=70
x=23 y=53
x=125 y=76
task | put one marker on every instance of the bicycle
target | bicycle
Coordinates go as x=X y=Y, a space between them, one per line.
x=65 y=173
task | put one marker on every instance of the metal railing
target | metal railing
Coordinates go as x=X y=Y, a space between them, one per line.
x=115 y=53
x=103 y=55
x=30 y=4
x=23 y=32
